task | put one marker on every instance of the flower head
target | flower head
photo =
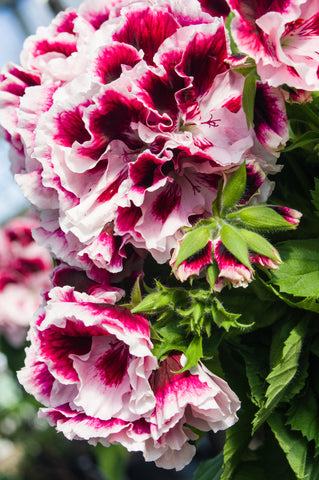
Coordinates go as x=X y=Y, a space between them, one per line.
x=86 y=352
x=195 y=398
x=123 y=118
x=282 y=37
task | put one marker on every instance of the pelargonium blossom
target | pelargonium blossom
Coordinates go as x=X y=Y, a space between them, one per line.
x=24 y=274
x=122 y=118
x=89 y=353
x=283 y=39
x=90 y=364
x=195 y=398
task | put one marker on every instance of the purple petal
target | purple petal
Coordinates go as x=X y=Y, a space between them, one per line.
x=292 y=216
x=216 y=8
x=56 y=347
x=110 y=60
x=146 y=170
x=254 y=179
x=146 y=29
x=230 y=268
x=270 y=118
x=204 y=57
x=70 y=127
x=168 y=200
x=127 y=218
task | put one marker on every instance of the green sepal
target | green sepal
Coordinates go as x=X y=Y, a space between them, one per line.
x=212 y=274
x=234 y=188
x=193 y=242
x=258 y=217
x=136 y=295
x=193 y=353
x=248 y=98
x=153 y=302
x=235 y=243
x=217 y=203
x=259 y=244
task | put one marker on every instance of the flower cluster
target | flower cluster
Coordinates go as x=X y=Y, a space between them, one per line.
x=130 y=124
x=90 y=363
x=122 y=129
x=24 y=273
x=282 y=38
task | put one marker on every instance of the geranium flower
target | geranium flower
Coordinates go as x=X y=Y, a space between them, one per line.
x=195 y=398
x=89 y=353
x=24 y=274
x=134 y=116
x=283 y=39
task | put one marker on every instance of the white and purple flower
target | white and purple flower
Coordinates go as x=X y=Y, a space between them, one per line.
x=282 y=37
x=123 y=117
x=195 y=398
x=89 y=353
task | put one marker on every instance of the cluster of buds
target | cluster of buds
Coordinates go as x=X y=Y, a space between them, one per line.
x=231 y=241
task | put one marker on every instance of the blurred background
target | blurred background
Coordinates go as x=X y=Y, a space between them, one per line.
x=29 y=449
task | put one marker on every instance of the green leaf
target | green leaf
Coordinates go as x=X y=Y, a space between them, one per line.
x=224 y=319
x=192 y=243
x=299 y=274
x=259 y=244
x=248 y=98
x=258 y=217
x=315 y=196
x=256 y=370
x=300 y=380
x=234 y=188
x=235 y=243
x=303 y=416
x=305 y=139
x=239 y=435
x=283 y=373
x=294 y=445
x=238 y=438
x=309 y=303
x=272 y=458
x=210 y=469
